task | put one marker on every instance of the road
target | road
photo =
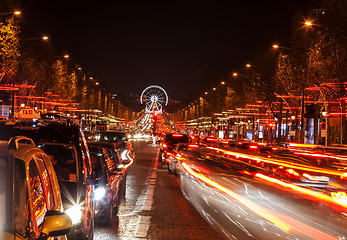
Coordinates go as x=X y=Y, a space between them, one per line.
x=154 y=206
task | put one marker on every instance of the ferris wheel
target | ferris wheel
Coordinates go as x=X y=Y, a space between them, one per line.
x=154 y=97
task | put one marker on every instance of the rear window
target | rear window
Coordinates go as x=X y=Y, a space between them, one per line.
x=112 y=137
x=176 y=138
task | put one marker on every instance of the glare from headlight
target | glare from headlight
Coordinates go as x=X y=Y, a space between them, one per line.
x=75 y=213
x=99 y=193
x=124 y=155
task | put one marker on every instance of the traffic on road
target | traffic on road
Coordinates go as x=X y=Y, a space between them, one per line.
x=216 y=188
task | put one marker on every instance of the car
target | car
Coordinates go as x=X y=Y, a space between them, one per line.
x=181 y=152
x=109 y=171
x=168 y=144
x=121 y=143
x=30 y=199
x=67 y=148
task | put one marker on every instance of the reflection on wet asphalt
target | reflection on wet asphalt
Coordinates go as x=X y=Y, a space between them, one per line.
x=133 y=218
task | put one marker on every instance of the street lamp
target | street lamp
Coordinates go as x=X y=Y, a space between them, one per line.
x=10 y=13
x=308 y=23
x=43 y=38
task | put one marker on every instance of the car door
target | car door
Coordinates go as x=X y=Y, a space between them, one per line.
x=114 y=179
x=37 y=196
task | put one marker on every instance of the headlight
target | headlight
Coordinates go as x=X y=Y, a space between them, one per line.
x=75 y=213
x=124 y=155
x=99 y=193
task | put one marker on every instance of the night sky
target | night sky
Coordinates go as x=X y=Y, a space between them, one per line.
x=181 y=46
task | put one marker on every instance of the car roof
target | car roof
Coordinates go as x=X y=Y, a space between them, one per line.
x=100 y=144
x=20 y=153
x=50 y=132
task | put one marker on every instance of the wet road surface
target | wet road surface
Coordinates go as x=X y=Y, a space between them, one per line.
x=154 y=207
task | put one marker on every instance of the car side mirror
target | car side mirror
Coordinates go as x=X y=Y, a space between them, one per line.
x=119 y=169
x=55 y=224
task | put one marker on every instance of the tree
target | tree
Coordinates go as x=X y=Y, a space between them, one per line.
x=9 y=48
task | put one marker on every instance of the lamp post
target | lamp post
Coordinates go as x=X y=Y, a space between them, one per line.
x=17 y=13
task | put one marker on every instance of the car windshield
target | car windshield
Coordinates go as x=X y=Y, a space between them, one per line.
x=113 y=137
x=63 y=158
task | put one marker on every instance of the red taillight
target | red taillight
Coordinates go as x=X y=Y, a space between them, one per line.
x=177 y=135
x=178 y=155
x=193 y=145
x=254 y=147
x=212 y=139
x=291 y=171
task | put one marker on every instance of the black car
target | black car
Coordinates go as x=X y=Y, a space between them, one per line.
x=108 y=169
x=121 y=143
x=67 y=148
x=168 y=144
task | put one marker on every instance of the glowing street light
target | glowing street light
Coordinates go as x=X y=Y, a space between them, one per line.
x=10 y=13
x=248 y=65
x=214 y=89
x=276 y=46
x=206 y=93
x=308 y=23
x=43 y=38
x=66 y=56
x=222 y=83
x=235 y=74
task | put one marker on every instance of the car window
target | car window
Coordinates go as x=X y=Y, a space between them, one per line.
x=96 y=160
x=113 y=155
x=37 y=194
x=113 y=137
x=3 y=176
x=86 y=165
x=46 y=181
x=63 y=159
x=110 y=163
x=21 y=199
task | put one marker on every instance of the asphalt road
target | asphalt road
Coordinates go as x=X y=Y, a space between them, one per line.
x=154 y=206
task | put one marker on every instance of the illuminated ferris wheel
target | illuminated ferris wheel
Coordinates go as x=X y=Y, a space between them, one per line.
x=154 y=97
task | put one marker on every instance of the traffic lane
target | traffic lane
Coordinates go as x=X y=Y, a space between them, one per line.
x=125 y=224
x=173 y=216
x=154 y=207
x=247 y=207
